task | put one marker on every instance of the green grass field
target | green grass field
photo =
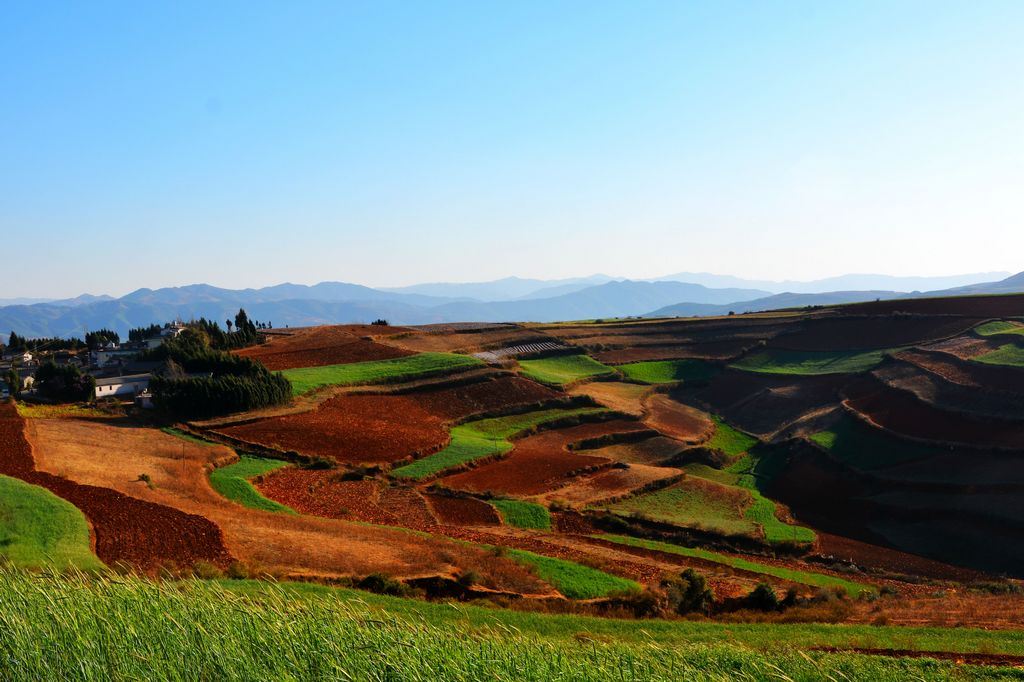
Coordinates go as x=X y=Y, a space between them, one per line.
x=709 y=506
x=233 y=483
x=39 y=529
x=668 y=371
x=575 y=581
x=1000 y=327
x=126 y=628
x=523 y=514
x=563 y=369
x=485 y=438
x=752 y=472
x=1009 y=354
x=729 y=440
x=865 y=448
x=802 y=577
x=397 y=370
x=778 y=361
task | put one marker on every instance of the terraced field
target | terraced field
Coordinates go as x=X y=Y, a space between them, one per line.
x=842 y=451
x=406 y=368
x=564 y=369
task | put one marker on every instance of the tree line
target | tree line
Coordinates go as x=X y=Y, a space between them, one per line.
x=204 y=381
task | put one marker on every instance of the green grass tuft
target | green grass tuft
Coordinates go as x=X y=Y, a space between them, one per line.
x=564 y=369
x=305 y=379
x=668 y=371
x=39 y=529
x=485 y=438
x=523 y=514
x=779 y=361
x=233 y=483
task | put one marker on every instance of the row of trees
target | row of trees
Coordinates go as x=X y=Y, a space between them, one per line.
x=203 y=381
x=20 y=343
x=64 y=383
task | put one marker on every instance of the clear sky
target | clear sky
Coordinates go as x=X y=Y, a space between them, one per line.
x=250 y=143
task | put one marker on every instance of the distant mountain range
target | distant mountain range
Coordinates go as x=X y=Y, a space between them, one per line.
x=509 y=299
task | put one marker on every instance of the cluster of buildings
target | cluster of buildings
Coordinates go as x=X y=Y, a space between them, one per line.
x=119 y=370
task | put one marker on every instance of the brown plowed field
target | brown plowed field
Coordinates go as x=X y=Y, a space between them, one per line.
x=932 y=389
x=138 y=533
x=459 y=402
x=353 y=429
x=762 y=403
x=901 y=413
x=465 y=341
x=973 y=374
x=963 y=347
x=288 y=545
x=651 y=451
x=318 y=346
x=607 y=483
x=617 y=395
x=539 y=463
x=714 y=350
x=323 y=493
x=675 y=420
x=863 y=333
x=892 y=560
x=463 y=511
x=973 y=306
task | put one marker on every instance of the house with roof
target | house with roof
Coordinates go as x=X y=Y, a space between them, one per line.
x=127 y=386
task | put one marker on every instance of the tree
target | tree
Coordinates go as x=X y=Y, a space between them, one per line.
x=763 y=598
x=380 y=322
x=13 y=381
x=688 y=593
x=230 y=324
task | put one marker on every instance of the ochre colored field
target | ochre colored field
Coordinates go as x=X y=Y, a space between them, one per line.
x=319 y=346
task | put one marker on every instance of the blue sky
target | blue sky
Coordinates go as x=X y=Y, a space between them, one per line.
x=246 y=144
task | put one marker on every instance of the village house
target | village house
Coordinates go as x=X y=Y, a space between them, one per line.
x=127 y=386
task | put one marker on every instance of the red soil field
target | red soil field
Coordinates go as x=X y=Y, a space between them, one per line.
x=463 y=511
x=964 y=347
x=323 y=493
x=901 y=413
x=973 y=306
x=862 y=333
x=318 y=346
x=762 y=404
x=142 y=534
x=936 y=391
x=874 y=556
x=460 y=401
x=712 y=350
x=541 y=462
x=445 y=339
x=973 y=374
x=356 y=428
x=676 y=420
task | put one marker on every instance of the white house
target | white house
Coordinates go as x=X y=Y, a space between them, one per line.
x=130 y=385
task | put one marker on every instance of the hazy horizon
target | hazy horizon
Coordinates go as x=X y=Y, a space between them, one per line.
x=393 y=144
x=974 y=276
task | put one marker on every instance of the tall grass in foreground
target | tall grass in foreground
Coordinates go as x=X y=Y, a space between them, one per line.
x=69 y=628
